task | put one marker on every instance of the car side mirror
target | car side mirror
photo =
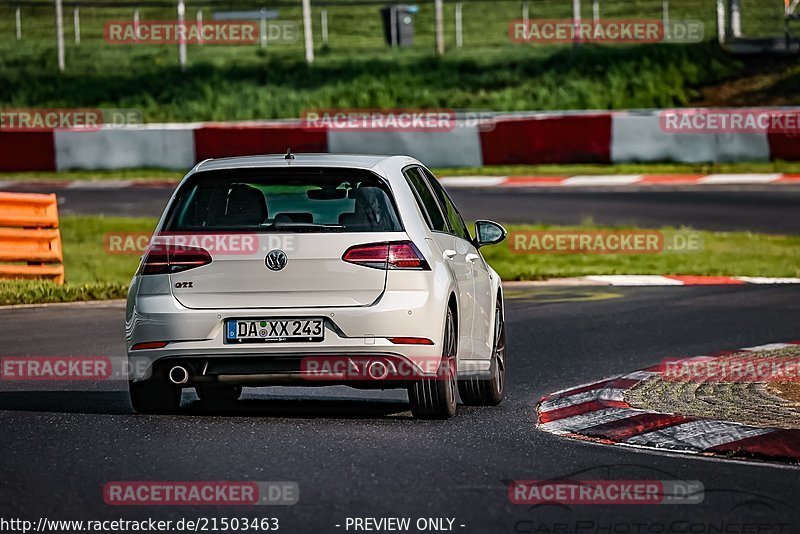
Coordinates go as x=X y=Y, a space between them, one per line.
x=488 y=233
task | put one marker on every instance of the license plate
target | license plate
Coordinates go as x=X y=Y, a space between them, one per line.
x=274 y=330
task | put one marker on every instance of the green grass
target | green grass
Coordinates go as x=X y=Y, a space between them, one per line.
x=117 y=174
x=256 y=86
x=627 y=168
x=38 y=292
x=92 y=274
x=498 y=170
x=723 y=253
x=85 y=256
x=357 y=27
x=357 y=70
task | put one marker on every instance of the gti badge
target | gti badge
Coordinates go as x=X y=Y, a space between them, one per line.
x=276 y=260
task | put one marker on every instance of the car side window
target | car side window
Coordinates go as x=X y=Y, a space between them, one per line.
x=453 y=216
x=425 y=199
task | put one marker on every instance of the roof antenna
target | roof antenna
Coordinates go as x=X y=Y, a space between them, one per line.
x=289 y=154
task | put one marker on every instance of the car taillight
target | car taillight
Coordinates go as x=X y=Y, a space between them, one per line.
x=148 y=345
x=410 y=341
x=171 y=260
x=396 y=255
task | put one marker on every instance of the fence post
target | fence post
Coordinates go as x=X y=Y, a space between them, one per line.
x=199 y=25
x=182 y=34
x=324 y=23
x=136 y=25
x=18 y=18
x=263 y=27
x=526 y=13
x=393 y=37
x=596 y=11
x=576 y=20
x=308 y=31
x=665 y=18
x=439 y=10
x=60 y=34
x=736 y=18
x=76 y=20
x=721 y=21
x=787 y=10
x=459 y=25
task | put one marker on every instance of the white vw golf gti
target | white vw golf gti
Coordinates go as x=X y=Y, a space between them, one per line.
x=316 y=270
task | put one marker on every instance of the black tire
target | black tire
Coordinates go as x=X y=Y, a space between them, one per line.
x=435 y=398
x=154 y=396
x=489 y=391
x=218 y=393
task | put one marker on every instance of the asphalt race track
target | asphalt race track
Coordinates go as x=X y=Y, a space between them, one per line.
x=758 y=209
x=771 y=209
x=358 y=454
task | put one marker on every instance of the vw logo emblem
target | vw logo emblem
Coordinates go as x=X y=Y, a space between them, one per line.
x=276 y=260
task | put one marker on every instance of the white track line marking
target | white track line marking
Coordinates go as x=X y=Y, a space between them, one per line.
x=577 y=423
x=473 y=181
x=635 y=280
x=96 y=184
x=766 y=280
x=639 y=375
x=609 y=180
x=739 y=178
x=639 y=280
x=596 y=383
x=698 y=435
x=568 y=281
x=621 y=179
x=768 y=346
x=611 y=394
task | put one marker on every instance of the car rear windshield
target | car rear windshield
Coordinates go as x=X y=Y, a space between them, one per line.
x=296 y=200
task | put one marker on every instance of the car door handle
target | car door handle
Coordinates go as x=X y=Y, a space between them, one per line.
x=449 y=254
x=472 y=258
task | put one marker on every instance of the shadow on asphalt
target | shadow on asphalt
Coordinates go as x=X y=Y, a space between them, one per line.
x=117 y=403
x=86 y=402
x=299 y=408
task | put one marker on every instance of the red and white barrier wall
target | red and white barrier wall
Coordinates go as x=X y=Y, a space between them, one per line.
x=639 y=137
x=534 y=138
x=169 y=146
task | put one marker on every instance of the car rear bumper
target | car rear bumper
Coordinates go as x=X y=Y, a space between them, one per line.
x=349 y=331
x=368 y=370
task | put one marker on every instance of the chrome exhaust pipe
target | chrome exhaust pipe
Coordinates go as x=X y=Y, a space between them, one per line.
x=178 y=375
x=377 y=370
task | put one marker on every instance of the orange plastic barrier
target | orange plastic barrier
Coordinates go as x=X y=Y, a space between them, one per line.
x=30 y=242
